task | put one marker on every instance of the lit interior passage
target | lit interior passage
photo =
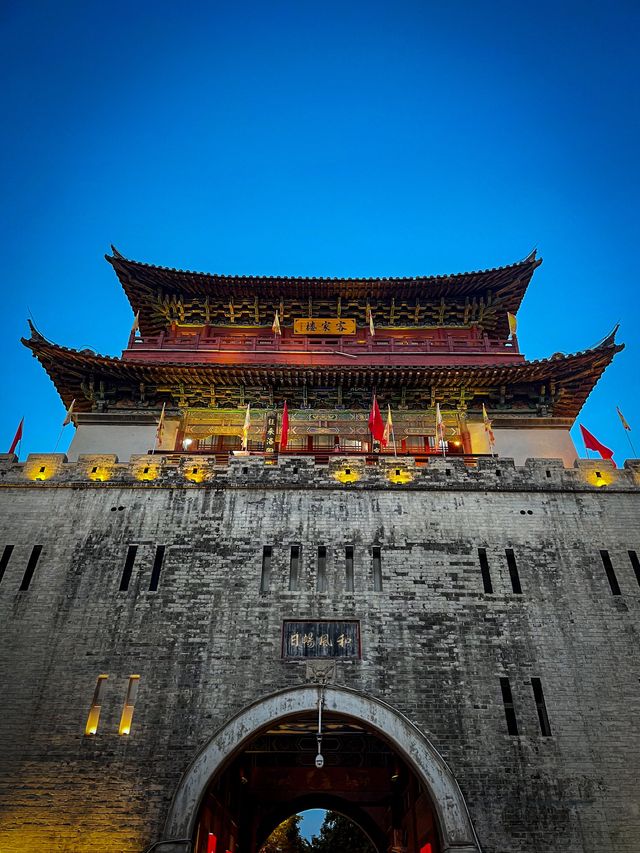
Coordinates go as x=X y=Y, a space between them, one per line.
x=276 y=776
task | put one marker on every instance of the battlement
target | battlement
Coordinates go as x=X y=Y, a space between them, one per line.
x=343 y=471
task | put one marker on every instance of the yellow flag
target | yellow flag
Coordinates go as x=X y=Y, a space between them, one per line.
x=372 y=330
x=513 y=323
x=69 y=416
x=388 y=429
x=276 y=325
x=245 y=428
x=160 y=427
x=487 y=426
x=623 y=420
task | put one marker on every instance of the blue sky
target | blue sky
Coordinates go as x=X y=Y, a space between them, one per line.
x=318 y=139
x=311 y=822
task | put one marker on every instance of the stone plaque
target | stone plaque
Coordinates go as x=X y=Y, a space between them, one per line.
x=321 y=638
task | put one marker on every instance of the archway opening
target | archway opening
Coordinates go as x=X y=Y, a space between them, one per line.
x=318 y=831
x=274 y=775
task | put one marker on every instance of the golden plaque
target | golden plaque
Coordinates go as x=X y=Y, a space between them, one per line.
x=324 y=326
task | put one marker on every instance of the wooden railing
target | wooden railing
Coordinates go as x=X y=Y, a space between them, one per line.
x=267 y=343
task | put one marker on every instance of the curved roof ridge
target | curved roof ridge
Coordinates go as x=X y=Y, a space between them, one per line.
x=531 y=258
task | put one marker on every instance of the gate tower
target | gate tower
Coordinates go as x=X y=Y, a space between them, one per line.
x=214 y=614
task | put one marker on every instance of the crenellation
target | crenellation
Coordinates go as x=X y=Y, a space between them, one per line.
x=347 y=472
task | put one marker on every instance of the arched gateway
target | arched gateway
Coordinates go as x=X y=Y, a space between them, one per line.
x=454 y=829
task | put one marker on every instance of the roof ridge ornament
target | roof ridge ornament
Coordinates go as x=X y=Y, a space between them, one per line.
x=35 y=334
x=610 y=339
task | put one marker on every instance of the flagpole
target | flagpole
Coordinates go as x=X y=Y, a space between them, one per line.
x=633 y=450
x=59 y=437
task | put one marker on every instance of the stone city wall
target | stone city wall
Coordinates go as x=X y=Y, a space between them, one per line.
x=207 y=642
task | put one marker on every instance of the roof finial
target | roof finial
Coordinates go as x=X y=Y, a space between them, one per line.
x=35 y=334
x=610 y=338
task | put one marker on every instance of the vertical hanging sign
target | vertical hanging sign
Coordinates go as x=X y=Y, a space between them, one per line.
x=270 y=432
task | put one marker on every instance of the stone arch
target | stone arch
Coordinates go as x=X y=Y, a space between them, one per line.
x=456 y=830
x=336 y=804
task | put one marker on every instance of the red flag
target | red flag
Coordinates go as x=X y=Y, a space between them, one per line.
x=376 y=424
x=16 y=437
x=592 y=443
x=284 y=431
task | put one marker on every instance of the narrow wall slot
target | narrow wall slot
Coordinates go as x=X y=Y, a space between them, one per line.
x=4 y=560
x=294 y=568
x=377 y=569
x=322 y=569
x=265 y=577
x=611 y=575
x=31 y=567
x=484 y=569
x=348 y=564
x=129 y=702
x=96 y=703
x=543 y=717
x=128 y=567
x=513 y=571
x=509 y=708
x=157 y=568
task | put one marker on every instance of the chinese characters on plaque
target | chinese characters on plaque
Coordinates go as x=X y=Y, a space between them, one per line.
x=270 y=432
x=324 y=326
x=321 y=639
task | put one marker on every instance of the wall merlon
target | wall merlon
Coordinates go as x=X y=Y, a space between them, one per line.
x=348 y=472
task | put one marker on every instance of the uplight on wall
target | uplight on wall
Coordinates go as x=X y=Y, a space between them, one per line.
x=98 y=473
x=129 y=702
x=400 y=475
x=96 y=703
x=600 y=478
x=195 y=473
x=149 y=472
x=186 y=444
x=347 y=475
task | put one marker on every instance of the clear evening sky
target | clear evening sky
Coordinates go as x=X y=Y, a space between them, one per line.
x=335 y=138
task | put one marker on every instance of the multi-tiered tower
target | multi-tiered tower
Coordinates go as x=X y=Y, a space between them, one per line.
x=206 y=349
x=435 y=639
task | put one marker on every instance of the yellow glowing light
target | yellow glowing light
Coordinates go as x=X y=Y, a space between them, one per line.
x=147 y=473
x=456 y=443
x=600 y=478
x=399 y=475
x=196 y=475
x=347 y=475
x=98 y=475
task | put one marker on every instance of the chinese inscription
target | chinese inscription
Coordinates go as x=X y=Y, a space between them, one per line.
x=270 y=433
x=324 y=326
x=321 y=639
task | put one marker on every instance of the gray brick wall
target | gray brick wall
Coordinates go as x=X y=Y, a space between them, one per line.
x=207 y=643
